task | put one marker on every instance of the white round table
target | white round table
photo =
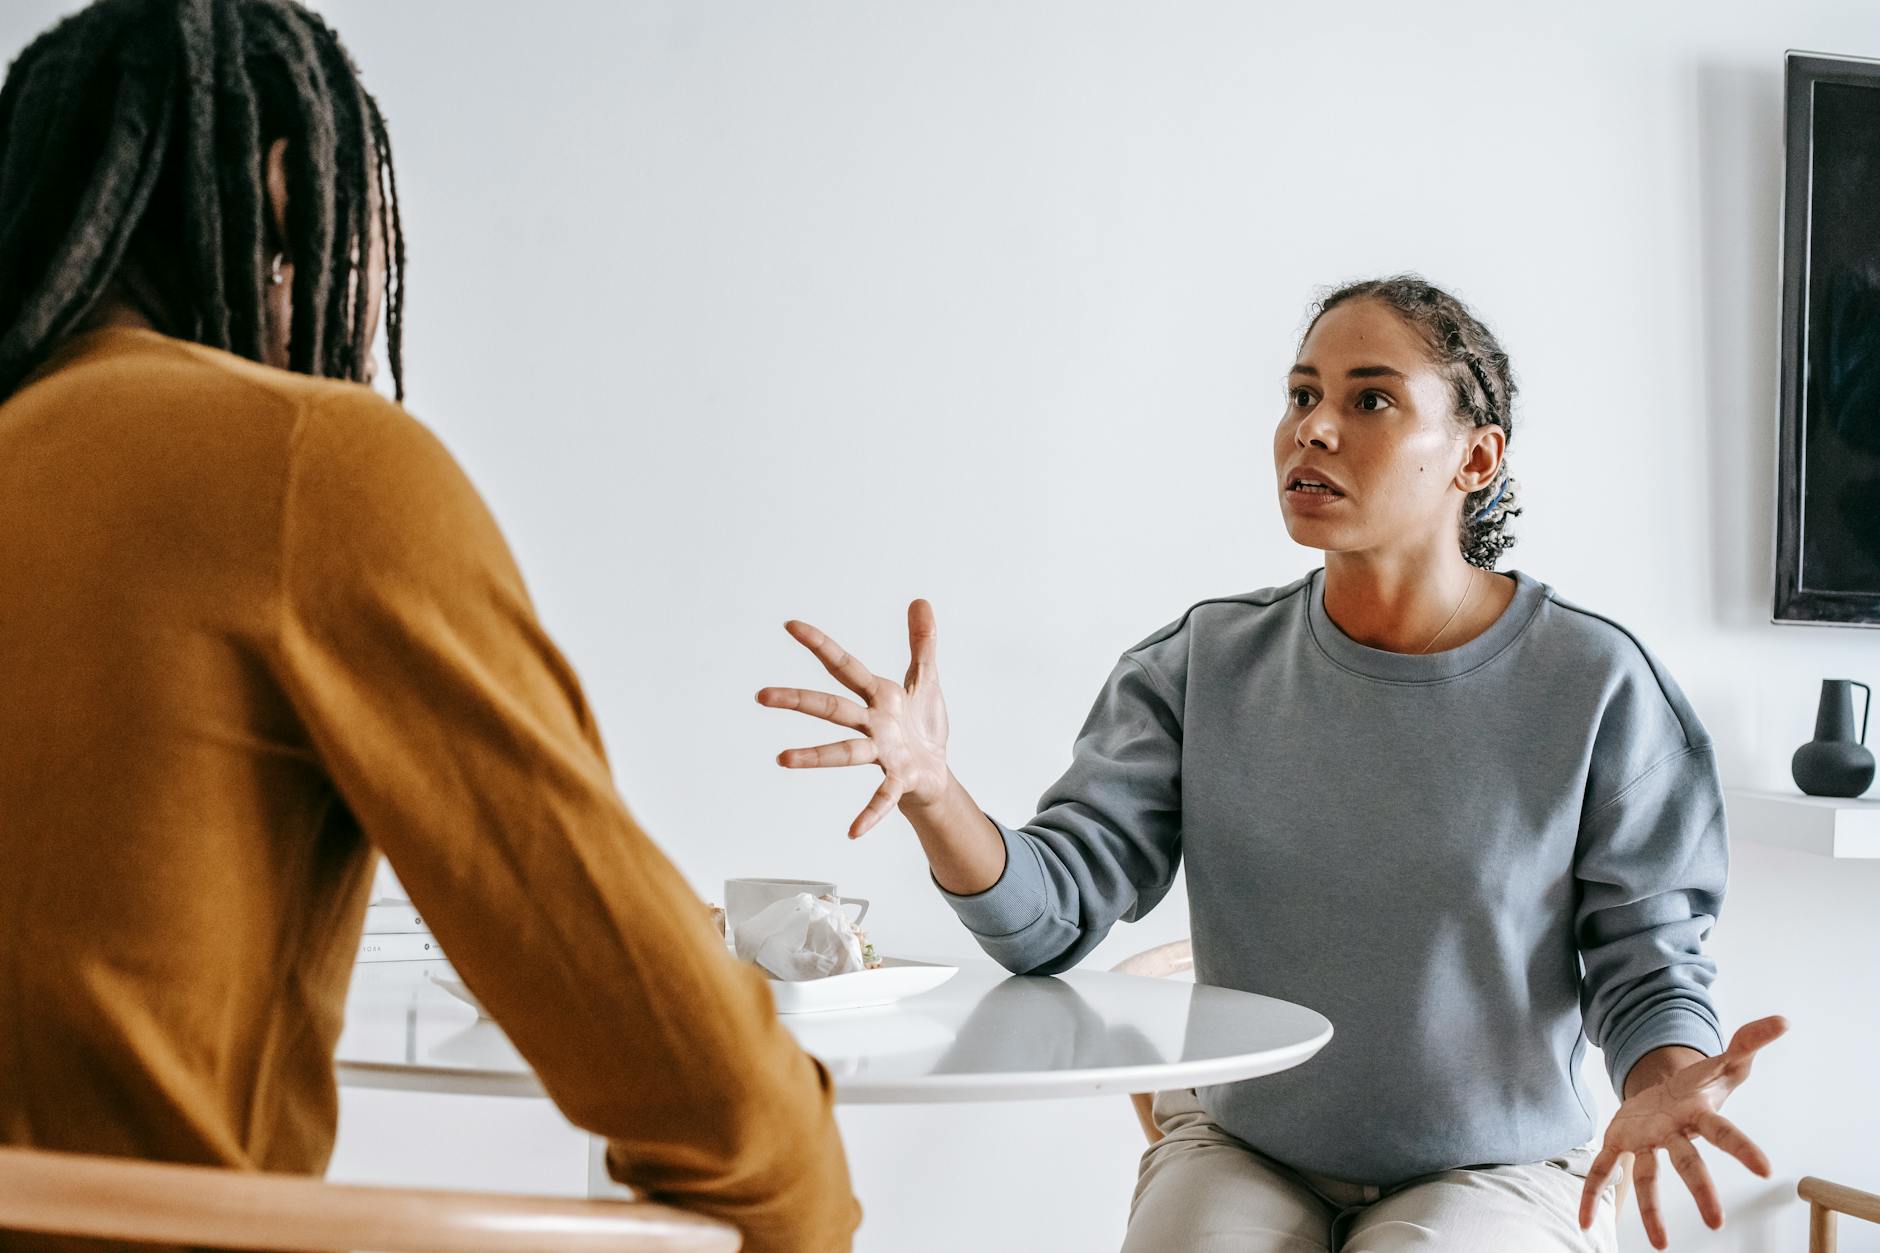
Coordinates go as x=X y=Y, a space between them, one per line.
x=985 y=1035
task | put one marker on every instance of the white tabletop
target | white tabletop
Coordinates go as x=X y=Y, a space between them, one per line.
x=983 y=1036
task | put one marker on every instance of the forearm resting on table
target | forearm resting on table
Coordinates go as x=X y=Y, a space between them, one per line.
x=1657 y=1066
x=964 y=849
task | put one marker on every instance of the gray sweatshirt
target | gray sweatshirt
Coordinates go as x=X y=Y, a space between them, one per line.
x=1471 y=861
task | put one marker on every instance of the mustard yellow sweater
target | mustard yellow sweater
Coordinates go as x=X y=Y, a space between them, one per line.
x=252 y=625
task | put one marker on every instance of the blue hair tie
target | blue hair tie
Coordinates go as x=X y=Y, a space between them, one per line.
x=1484 y=510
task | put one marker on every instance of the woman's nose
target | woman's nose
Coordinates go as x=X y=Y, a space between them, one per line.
x=1318 y=428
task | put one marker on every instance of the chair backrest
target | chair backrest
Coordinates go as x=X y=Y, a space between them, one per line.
x=1173 y=958
x=1825 y=1200
x=116 y=1198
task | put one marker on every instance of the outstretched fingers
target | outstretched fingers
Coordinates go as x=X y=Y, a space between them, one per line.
x=1752 y=1036
x=1598 y=1175
x=1645 y=1183
x=1725 y=1134
x=886 y=797
x=923 y=649
x=838 y=661
x=825 y=705
x=844 y=753
x=1690 y=1167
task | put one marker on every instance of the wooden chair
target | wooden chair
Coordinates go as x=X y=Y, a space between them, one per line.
x=1178 y=957
x=116 y=1198
x=1825 y=1200
x=1174 y=958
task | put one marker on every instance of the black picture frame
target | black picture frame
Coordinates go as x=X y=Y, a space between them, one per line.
x=1803 y=287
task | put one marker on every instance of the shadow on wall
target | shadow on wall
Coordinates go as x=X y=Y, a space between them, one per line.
x=1738 y=252
x=1772 y=1218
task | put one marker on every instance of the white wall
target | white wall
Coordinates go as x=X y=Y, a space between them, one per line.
x=739 y=311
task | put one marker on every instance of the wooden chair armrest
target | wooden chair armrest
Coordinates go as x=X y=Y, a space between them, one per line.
x=1145 y=1114
x=123 y=1199
x=1840 y=1198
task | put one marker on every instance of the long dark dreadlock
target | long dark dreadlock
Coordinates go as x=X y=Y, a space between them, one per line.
x=133 y=137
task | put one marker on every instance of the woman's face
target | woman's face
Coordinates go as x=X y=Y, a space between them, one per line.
x=1369 y=415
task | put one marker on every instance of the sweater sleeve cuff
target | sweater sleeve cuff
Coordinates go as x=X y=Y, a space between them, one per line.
x=1676 y=1024
x=1019 y=899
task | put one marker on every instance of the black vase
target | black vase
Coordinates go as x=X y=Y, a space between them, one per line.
x=1835 y=763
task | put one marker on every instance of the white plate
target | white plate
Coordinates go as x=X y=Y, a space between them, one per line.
x=896 y=979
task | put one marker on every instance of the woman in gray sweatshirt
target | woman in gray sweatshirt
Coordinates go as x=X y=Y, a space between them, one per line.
x=1315 y=752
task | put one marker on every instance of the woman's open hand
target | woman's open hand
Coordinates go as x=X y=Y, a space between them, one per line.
x=904 y=724
x=1670 y=1115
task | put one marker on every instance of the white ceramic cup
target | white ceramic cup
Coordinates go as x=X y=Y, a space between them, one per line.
x=745 y=898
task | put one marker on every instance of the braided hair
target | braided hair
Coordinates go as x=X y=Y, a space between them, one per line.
x=1483 y=386
x=133 y=140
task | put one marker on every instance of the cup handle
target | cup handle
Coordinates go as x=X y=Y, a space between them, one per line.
x=856 y=900
x=1866 y=707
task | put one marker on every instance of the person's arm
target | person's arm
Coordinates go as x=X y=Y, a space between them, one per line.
x=1651 y=866
x=458 y=738
x=1106 y=844
x=965 y=849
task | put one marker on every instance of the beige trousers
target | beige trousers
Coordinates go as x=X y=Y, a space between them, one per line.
x=1202 y=1191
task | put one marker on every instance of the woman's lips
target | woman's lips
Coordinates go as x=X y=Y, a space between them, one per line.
x=1302 y=499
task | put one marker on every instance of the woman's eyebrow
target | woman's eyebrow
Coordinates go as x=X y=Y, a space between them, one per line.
x=1356 y=372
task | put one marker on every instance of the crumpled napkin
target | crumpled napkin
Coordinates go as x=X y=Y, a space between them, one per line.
x=800 y=937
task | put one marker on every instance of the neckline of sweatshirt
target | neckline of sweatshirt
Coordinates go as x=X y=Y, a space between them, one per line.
x=1438 y=667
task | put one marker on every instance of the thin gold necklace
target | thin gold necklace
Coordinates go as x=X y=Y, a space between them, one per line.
x=1473 y=571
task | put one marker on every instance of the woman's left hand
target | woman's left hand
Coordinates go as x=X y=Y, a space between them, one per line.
x=1670 y=1115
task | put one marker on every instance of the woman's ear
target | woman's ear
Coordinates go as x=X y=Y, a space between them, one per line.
x=274 y=177
x=1481 y=458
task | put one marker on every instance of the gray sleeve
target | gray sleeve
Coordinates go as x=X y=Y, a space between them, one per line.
x=1107 y=839
x=1651 y=867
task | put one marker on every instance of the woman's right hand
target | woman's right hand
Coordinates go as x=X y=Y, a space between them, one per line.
x=904 y=725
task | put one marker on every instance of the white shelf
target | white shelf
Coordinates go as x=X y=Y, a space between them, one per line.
x=1823 y=825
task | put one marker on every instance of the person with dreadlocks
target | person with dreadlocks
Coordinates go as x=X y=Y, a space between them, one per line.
x=1472 y=823
x=258 y=622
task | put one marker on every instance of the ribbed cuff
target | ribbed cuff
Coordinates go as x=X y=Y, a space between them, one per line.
x=1015 y=902
x=1674 y=1024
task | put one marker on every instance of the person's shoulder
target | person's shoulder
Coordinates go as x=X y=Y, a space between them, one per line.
x=338 y=408
x=168 y=373
x=1223 y=612
x=1590 y=635
x=1597 y=646
x=365 y=436
x=368 y=475
x=351 y=448
x=174 y=381
x=215 y=369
